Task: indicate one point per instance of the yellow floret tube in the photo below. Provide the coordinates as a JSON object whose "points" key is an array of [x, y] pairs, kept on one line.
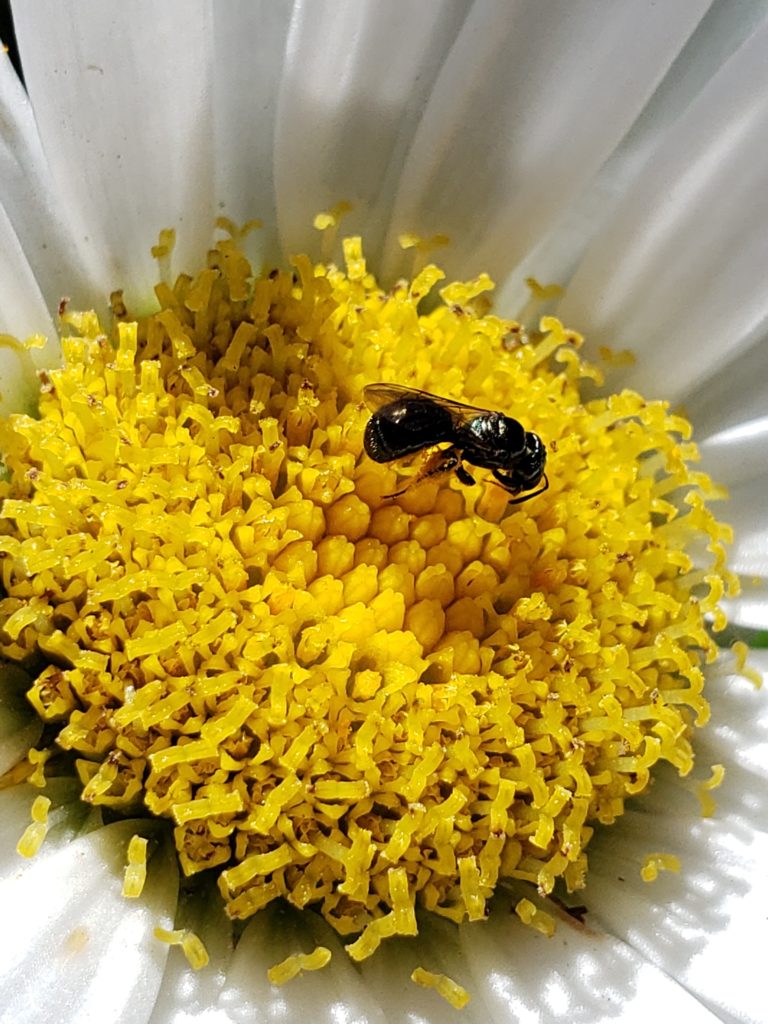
{"points": [[135, 874], [294, 965], [450, 990], [191, 945], [35, 833]]}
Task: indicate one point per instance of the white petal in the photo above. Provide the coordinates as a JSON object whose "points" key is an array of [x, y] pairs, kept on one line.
{"points": [[738, 452], [734, 393], [531, 101], [122, 98], [23, 312], [357, 78], [729, 413], [580, 974], [746, 514], [19, 388], [678, 274], [728, 972], [719, 34], [20, 728], [40, 264], [748, 614], [78, 951], [249, 43]]}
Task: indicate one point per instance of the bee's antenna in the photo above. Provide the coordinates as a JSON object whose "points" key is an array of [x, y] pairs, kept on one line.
{"points": [[526, 497]]}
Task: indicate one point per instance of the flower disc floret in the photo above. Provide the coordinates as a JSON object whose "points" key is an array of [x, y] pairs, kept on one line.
{"points": [[357, 703]]}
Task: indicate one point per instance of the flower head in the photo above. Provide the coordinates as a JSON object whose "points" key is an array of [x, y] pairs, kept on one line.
{"points": [[351, 701]]}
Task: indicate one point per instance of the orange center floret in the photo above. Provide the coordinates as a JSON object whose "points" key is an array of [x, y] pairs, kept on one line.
{"points": [[346, 700]]}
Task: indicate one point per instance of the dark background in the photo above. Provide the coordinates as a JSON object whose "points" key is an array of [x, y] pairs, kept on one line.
{"points": [[6, 33]]}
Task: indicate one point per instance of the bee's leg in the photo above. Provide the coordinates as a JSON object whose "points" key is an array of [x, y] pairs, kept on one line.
{"points": [[464, 476], [512, 486], [447, 461], [396, 494], [507, 481], [438, 464]]}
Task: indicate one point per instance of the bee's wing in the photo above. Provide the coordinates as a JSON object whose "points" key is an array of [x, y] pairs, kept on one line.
{"points": [[378, 395]]}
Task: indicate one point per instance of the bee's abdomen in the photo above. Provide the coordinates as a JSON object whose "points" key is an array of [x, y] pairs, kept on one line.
{"points": [[375, 444], [404, 427]]}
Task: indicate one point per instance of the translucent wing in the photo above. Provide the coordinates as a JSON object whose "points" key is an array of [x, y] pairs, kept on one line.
{"points": [[378, 395]]}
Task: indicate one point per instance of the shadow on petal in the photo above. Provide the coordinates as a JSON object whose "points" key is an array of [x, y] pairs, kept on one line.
{"points": [[186, 995], [20, 728]]}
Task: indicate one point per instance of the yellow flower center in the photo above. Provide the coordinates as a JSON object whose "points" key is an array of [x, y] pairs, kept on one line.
{"points": [[354, 702]]}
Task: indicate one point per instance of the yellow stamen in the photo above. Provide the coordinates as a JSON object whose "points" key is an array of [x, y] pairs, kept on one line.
{"points": [[452, 992], [34, 834], [136, 870], [530, 914], [656, 862], [294, 965], [704, 790], [191, 945]]}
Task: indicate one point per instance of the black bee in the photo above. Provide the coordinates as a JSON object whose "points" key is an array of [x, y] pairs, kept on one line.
{"points": [[406, 421]]}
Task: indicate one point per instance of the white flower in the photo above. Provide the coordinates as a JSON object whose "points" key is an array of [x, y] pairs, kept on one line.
{"points": [[617, 148]]}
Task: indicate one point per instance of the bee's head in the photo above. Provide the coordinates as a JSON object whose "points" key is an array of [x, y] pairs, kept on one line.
{"points": [[529, 466]]}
